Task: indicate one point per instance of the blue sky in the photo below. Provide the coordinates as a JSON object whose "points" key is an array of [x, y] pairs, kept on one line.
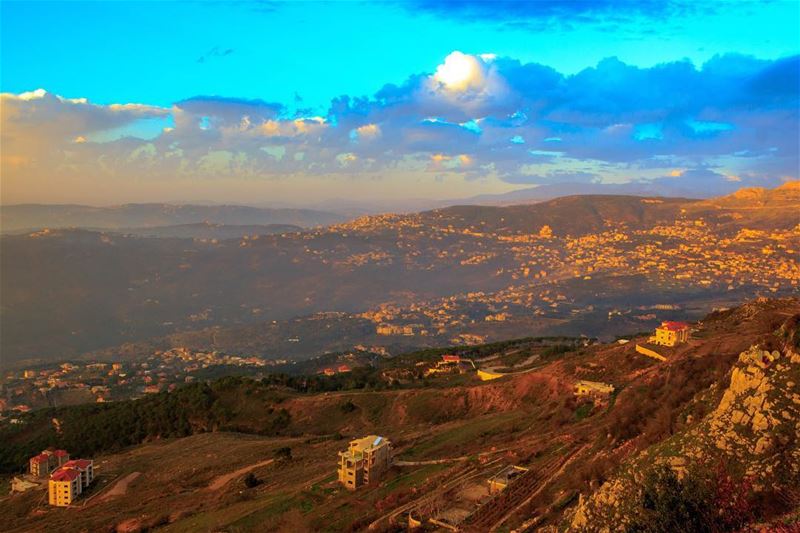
{"points": [[308, 75]]}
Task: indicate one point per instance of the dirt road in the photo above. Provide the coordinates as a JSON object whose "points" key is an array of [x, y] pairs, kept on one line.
{"points": [[222, 480], [120, 487]]}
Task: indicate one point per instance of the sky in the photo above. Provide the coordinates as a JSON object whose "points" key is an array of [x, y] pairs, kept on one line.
{"points": [[303, 103]]}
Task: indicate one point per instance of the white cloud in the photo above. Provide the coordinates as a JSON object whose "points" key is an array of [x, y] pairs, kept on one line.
{"points": [[461, 72]]}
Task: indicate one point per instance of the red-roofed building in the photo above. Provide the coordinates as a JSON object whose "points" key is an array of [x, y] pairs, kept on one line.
{"points": [[343, 368], [671, 333], [85, 467], [65, 474], [40, 465], [451, 358], [61, 457], [64, 486]]}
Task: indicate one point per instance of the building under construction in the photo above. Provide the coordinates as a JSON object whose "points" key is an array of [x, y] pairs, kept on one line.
{"points": [[366, 460]]}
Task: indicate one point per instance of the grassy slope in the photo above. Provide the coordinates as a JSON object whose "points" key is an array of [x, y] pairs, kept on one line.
{"points": [[527, 419]]}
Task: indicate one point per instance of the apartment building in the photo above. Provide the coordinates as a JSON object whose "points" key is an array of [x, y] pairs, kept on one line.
{"points": [[366, 460], [69, 481], [64, 487], [41, 465]]}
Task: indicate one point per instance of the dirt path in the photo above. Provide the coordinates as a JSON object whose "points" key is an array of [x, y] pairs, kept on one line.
{"points": [[222, 480], [430, 462], [120, 487]]}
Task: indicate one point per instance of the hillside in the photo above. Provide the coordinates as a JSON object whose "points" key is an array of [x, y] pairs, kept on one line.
{"points": [[560, 267], [208, 230], [29, 217], [452, 434], [569, 215]]}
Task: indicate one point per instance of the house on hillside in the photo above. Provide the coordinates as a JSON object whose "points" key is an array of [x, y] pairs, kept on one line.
{"points": [[366, 460], [670, 334]]}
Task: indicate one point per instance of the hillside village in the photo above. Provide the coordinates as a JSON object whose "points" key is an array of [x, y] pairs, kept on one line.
{"points": [[98, 381], [539, 444], [593, 265]]}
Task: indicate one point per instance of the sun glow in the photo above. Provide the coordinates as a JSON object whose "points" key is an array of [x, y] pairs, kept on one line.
{"points": [[457, 71]]}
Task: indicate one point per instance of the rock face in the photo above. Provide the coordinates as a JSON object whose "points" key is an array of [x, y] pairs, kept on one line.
{"points": [[755, 427], [760, 406]]}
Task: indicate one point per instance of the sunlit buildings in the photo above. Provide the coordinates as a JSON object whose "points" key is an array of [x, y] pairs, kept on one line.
{"points": [[69, 481], [671, 334], [366, 460]]}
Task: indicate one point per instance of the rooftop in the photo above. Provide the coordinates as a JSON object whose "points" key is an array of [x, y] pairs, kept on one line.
{"points": [[674, 326], [365, 443], [65, 474], [78, 463]]}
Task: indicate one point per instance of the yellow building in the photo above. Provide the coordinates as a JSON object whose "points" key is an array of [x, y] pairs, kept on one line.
{"points": [[671, 334], [69, 481], [365, 461], [592, 388], [64, 487]]}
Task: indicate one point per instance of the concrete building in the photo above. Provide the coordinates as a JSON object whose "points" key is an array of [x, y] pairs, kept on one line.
{"points": [[59, 457], [83, 466], [64, 487], [365, 461], [40, 465], [44, 463], [671, 334], [69, 481]]}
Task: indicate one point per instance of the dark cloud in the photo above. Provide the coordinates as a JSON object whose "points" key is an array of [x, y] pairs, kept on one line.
{"points": [[230, 110]]}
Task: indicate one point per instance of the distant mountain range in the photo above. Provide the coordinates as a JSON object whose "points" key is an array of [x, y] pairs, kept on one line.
{"points": [[662, 188], [24, 217]]}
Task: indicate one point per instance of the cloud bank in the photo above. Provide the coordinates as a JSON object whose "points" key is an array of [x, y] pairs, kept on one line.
{"points": [[703, 129]]}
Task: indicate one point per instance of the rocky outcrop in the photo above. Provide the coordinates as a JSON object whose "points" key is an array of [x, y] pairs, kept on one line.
{"points": [[761, 400], [756, 426]]}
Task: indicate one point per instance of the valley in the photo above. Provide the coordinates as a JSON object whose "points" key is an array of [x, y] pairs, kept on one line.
{"points": [[586, 265]]}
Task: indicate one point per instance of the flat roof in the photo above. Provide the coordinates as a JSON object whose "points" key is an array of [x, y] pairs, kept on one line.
{"points": [[365, 443]]}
